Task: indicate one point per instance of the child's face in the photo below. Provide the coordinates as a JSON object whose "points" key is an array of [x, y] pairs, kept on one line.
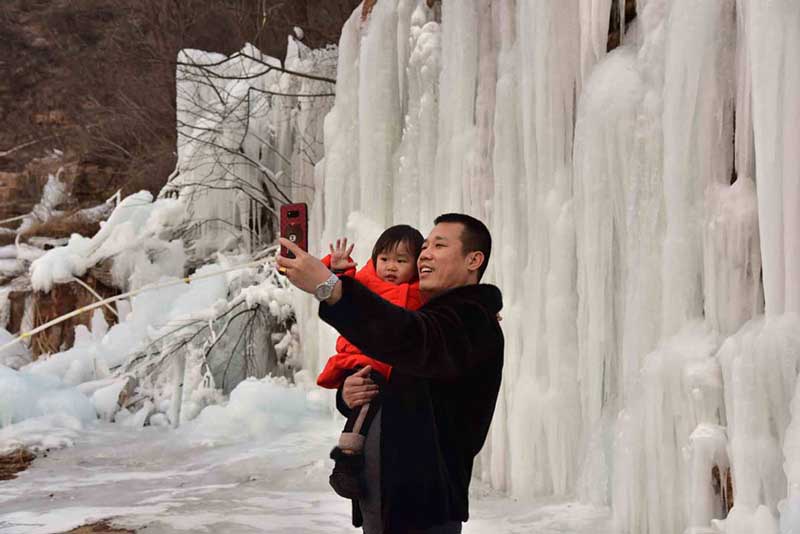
{"points": [[396, 266]]}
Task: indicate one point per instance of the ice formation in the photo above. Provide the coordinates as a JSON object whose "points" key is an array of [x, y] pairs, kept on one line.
{"points": [[637, 199], [645, 208], [24, 395], [249, 135], [250, 130]]}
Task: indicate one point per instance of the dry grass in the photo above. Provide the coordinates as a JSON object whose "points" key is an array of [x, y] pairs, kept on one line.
{"points": [[15, 462], [100, 527], [63, 226], [7, 238]]}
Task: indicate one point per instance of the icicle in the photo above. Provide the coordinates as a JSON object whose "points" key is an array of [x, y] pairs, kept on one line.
{"points": [[540, 377], [759, 365], [179, 372], [773, 32], [508, 245], [379, 125], [594, 34], [417, 151], [698, 126], [341, 170]]}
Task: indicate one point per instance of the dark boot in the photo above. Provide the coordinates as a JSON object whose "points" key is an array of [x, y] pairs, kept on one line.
{"points": [[346, 478]]}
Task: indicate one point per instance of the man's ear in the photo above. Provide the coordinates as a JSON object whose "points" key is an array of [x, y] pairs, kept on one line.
{"points": [[475, 260]]}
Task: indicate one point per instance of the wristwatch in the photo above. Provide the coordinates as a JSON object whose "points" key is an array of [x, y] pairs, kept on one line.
{"points": [[325, 289]]}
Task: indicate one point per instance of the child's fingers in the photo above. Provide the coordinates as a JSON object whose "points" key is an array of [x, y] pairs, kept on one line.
{"points": [[350, 248], [338, 244], [349, 265], [330, 245]]}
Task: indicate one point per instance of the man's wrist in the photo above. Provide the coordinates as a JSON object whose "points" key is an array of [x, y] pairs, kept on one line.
{"points": [[336, 295]]}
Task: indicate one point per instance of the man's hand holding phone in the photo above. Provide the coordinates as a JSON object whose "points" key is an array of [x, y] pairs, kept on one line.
{"points": [[294, 226], [294, 262]]}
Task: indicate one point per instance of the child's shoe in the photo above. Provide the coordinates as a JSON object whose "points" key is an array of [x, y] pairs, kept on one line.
{"points": [[346, 476]]}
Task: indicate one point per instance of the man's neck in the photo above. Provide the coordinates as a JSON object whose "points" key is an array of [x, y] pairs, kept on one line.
{"points": [[427, 295]]}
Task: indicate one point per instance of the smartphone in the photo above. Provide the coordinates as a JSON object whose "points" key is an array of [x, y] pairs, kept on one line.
{"points": [[294, 226]]}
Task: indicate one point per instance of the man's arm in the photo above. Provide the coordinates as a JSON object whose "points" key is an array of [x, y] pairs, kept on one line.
{"points": [[434, 343]]}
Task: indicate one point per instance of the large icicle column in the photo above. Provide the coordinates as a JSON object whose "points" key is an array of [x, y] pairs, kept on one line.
{"points": [[633, 198], [774, 41]]}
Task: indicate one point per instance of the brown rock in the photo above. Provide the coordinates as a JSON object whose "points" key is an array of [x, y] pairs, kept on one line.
{"points": [[15, 462], [62, 299], [18, 297], [100, 527], [367, 8], [127, 392]]}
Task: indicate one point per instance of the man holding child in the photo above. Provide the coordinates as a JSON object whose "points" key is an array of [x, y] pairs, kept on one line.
{"points": [[446, 359]]}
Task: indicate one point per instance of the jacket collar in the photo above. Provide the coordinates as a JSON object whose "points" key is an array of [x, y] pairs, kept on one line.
{"points": [[488, 295]]}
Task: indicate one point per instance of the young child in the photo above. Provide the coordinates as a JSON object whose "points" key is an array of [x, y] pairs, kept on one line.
{"points": [[392, 274]]}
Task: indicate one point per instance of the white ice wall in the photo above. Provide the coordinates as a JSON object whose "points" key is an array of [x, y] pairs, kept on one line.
{"points": [[633, 198]]}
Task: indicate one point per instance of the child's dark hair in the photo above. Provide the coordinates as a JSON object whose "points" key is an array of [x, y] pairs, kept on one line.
{"points": [[393, 236]]}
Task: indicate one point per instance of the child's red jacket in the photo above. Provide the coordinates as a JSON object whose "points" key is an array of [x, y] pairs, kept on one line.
{"points": [[348, 356]]}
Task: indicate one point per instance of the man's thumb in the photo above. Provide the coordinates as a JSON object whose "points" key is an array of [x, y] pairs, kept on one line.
{"points": [[364, 371]]}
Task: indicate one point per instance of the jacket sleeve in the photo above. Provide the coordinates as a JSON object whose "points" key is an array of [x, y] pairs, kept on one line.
{"points": [[440, 342], [343, 408]]}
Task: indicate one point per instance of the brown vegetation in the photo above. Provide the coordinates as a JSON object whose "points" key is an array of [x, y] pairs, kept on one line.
{"points": [[15, 462], [100, 527], [63, 226]]}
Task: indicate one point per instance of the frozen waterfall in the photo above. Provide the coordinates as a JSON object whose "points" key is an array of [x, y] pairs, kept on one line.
{"points": [[645, 208]]}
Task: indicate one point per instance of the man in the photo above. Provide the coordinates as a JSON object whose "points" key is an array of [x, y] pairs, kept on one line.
{"points": [[447, 359]]}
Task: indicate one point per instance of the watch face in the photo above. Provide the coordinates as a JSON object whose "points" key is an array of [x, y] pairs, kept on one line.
{"points": [[323, 292], [325, 289]]}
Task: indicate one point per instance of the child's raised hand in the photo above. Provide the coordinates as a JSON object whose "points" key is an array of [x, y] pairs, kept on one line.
{"points": [[340, 255]]}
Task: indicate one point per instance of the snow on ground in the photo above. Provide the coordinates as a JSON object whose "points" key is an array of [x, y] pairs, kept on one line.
{"points": [[257, 464], [23, 395]]}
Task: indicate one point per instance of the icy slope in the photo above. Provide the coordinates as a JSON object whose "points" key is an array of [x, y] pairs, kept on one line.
{"points": [[257, 464]]}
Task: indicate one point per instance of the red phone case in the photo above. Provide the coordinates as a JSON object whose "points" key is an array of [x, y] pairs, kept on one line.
{"points": [[294, 226]]}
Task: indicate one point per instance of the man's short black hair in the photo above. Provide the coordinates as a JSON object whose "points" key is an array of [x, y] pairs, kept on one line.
{"points": [[393, 236], [474, 236]]}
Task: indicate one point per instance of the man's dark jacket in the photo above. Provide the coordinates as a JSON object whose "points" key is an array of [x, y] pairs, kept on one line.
{"points": [[447, 360]]}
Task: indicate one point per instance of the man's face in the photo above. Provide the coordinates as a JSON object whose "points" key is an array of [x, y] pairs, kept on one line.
{"points": [[442, 263]]}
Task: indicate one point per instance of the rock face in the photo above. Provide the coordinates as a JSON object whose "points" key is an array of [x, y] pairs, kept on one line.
{"points": [[62, 299]]}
